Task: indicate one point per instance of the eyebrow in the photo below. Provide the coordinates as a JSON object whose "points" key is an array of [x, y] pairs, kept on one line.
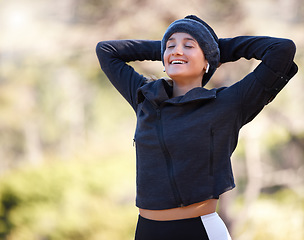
{"points": [[187, 38]]}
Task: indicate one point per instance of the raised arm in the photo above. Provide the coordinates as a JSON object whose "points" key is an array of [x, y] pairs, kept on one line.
{"points": [[277, 54], [113, 56], [262, 85]]}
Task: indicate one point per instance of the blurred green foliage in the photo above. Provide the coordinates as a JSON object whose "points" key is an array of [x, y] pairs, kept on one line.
{"points": [[69, 200], [273, 216]]}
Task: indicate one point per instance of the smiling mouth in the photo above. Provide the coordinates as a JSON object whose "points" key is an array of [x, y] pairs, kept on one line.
{"points": [[178, 62]]}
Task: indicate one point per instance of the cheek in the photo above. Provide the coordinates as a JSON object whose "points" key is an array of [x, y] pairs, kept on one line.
{"points": [[200, 61], [165, 57]]}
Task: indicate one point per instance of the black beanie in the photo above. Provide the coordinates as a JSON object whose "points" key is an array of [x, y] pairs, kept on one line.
{"points": [[203, 34]]}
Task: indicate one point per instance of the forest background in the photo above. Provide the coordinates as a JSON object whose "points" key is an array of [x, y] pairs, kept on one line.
{"points": [[67, 164]]}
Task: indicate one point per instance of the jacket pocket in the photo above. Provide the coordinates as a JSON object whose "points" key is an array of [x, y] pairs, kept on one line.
{"points": [[211, 157]]}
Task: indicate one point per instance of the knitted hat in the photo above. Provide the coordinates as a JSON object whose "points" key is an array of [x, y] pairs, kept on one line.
{"points": [[203, 34]]}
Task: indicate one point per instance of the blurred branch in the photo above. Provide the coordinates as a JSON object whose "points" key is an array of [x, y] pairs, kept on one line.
{"points": [[254, 176], [290, 178]]}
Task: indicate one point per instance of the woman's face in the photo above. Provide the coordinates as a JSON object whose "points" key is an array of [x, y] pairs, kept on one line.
{"points": [[184, 59]]}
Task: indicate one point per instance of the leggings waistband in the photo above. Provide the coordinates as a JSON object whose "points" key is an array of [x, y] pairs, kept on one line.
{"points": [[207, 227]]}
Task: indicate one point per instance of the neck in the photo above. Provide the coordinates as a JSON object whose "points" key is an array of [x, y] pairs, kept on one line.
{"points": [[181, 89]]}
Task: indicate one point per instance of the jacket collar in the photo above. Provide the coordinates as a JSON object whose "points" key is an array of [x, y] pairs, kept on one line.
{"points": [[158, 92]]}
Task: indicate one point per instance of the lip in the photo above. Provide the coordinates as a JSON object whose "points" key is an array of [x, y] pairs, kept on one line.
{"points": [[178, 60]]}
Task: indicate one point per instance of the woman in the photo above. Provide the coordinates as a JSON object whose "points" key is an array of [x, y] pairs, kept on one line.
{"points": [[185, 134]]}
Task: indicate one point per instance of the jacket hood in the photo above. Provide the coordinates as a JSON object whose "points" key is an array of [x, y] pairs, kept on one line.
{"points": [[160, 91]]}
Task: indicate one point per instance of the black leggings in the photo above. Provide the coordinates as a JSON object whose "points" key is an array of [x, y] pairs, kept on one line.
{"points": [[209, 227]]}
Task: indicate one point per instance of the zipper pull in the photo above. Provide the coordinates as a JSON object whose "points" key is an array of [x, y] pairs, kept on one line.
{"points": [[134, 142]]}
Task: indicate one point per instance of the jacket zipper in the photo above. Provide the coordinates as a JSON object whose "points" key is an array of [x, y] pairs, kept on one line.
{"points": [[211, 152], [169, 162]]}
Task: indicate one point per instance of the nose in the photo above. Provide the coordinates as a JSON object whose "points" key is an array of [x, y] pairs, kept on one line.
{"points": [[178, 50]]}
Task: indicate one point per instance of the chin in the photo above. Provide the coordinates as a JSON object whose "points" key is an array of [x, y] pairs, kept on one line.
{"points": [[176, 74]]}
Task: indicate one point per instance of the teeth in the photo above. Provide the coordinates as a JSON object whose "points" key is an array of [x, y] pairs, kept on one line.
{"points": [[178, 62]]}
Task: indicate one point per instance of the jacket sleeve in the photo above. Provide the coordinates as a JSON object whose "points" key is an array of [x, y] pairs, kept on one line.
{"points": [[275, 70], [113, 57], [277, 54]]}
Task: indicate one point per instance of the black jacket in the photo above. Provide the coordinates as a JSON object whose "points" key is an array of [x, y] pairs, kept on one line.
{"points": [[184, 144]]}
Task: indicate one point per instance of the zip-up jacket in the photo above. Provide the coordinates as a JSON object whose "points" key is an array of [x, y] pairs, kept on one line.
{"points": [[184, 144]]}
